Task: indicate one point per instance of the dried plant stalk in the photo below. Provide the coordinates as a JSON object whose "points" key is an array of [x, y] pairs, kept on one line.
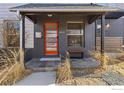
{"points": [[102, 58], [64, 72], [11, 69]]}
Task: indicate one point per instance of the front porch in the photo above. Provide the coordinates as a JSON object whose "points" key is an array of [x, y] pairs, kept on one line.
{"points": [[37, 65]]}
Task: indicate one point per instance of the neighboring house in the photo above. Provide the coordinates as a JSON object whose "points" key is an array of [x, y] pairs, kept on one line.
{"points": [[9, 17], [53, 29]]}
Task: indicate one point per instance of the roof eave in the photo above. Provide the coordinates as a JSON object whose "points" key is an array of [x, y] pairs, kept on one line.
{"points": [[64, 10]]}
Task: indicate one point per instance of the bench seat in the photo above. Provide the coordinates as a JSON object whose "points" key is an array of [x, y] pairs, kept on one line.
{"points": [[76, 52]]}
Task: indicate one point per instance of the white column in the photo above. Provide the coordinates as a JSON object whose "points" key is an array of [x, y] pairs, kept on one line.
{"points": [[22, 39]]}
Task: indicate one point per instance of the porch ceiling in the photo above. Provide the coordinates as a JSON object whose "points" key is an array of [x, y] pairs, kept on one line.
{"points": [[114, 15], [91, 17]]}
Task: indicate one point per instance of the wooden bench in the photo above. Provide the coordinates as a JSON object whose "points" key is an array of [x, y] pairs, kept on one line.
{"points": [[76, 52]]}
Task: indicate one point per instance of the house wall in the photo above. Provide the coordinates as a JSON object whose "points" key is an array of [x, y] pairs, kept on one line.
{"points": [[90, 36], [38, 50], [116, 30]]}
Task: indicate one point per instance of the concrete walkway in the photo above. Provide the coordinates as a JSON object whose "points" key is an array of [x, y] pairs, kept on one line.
{"points": [[113, 78], [39, 78]]}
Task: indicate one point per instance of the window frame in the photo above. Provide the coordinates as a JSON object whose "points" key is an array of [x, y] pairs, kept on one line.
{"points": [[82, 35]]}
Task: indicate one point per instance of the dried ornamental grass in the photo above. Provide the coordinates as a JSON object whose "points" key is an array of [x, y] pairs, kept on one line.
{"points": [[105, 59], [121, 55], [118, 63], [64, 72], [11, 69], [8, 57], [12, 75], [102, 58], [119, 68]]}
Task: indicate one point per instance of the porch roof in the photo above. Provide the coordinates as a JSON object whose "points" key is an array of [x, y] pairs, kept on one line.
{"points": [[54, 7], [114, 15]]}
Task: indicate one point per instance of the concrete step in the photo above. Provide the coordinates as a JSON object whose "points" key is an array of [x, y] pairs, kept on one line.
{"points": [[42, 69], [50, 59]]}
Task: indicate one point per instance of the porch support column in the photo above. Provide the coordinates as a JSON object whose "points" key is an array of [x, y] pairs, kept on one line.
{"points": [[22, 39], [95, 33], [102, 33]]}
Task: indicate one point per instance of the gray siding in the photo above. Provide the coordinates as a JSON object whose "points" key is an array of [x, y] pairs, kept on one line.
{"points": [[38, 42], [38, 50], [90, 36]]}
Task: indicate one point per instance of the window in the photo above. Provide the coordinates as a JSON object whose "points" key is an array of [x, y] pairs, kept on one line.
{"points": [[75, 34], [11, 33]]}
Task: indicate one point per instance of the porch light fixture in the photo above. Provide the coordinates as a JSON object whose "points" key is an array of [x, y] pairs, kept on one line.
{"points": [[49, 15], [108, 25]]}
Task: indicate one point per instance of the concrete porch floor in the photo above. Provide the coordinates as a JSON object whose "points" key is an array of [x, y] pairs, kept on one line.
{"points": [[75, 63], [37, 65], [84, 63]]}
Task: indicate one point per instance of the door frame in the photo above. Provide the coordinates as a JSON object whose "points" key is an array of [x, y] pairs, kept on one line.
{"points": [[44, 29]]}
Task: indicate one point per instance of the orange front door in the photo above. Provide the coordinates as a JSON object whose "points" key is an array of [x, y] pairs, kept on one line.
{"points": [[51, 38]]}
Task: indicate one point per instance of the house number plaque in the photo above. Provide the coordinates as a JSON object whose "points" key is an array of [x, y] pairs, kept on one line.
{"points": [[38, 35]]}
